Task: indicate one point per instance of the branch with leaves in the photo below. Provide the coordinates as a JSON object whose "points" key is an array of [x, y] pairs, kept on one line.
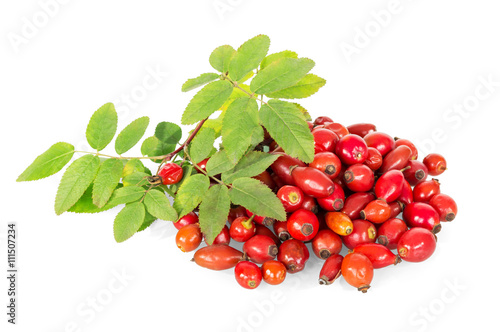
{"points": [[225, 107]]}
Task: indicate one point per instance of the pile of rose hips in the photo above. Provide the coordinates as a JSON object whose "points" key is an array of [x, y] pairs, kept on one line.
{"points": [[351, 194]]}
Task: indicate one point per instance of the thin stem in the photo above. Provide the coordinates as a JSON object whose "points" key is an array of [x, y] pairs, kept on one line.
{"points": [[236, 85]]}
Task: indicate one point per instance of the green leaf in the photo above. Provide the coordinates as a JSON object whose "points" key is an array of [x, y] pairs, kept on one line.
{"points": [[202, 144], [125, 195], [132, 166], [219, 163], [257, 197], [203, 79], [277, 56], [237, 93], [86, 205], [48, 163], [238, 124], [148, 220], [215, 124], [128, 221], [187, 171], [102, 127], [159, 206], [304, 88], [280, 74], [153, 147], [213, 212], [168, 132], [131, 134], [77, 178], [252, 164], [286, 125], [135, 179], [105, 182], [304, 112], [220, 58], [208, 100], [190, 194], [248, 56]]}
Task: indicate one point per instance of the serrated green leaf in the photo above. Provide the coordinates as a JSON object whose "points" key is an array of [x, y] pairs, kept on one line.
{"points": [[257, 197], [220, 58], [48, 163], [86, 205], [125, 195], [214, 210], [248, 56], [257, 136], [148, 221], [277, 56], [215, 124], [280, 74], [105, 182], [304, 112], [159, 206], [238, 125], [187, 171], [252, 164], [237, 93], [287, 126], [153, 147], [77, 178], [208, 100], [168, 132], [102, 126], [190, 194], [201, 80], [304, 88], [131, 134], [202, 145], [132, 166], [219, 163], [135, 179], [128, 221]]}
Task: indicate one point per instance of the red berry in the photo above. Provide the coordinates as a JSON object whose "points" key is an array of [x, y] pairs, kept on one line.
{"points": [[242, 229], [445, 206], [263, 230], [359, 178], [374, 160], [266, 179], [417, 172], [379, 255], [324, 140], [273, 272], [303, 225], [413, 148], [334, 202], [376, 211], [260, 248], [202, 166], [281, 230], [406, 196], [355, 203], [170, 173], [188, 219], [357, 271], [424, 191], [380, 141], [396, 208], [291, 197], [361, 129], [266, 221], [328, 163], [390, 185], [312, 181], [236, 212], [294, 255], [363, 232], [337, 128], [351, 149], [390, 232], [223, 237], [281, 167], [248, 274], [339, 222], [419, 214], [436, 164], [396, 159], [326, 243], [189, 237], [330, 270], [416, 245], [218, 257], [321, 120], [309, 203]]}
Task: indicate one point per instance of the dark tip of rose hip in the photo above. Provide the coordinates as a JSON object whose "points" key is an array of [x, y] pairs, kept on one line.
{"points": [[330, 169], [324, 253], [323, 280], [436, 229], [338, 204], [397, 260], [348, 176], [283, 236], [420, 174], [292, 267], [364, 288], [383, 240], [307, 229], [268, 221], [273, 250], [450, 216], [362, 214]]}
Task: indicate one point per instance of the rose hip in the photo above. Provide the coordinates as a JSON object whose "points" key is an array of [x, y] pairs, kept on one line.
{"points": [[359, 178], [417, 172], [396, 208], [339, 222], [330, 270], [242, 229], [294, 255], [303, 225], [390, 185], [236, 212], [390, 232], [416, 245], [321, 120], [445, 206], [188, 219], [273, 272], [170, 173], [189, 237], [380, 141], [281, 167], [218, 257], [334, 202], [379, 255], [223, 237], [291, 197], [248, 274], [309, 203], [281, 230], [326, 243], [266, 221], [355, 203], [266, 179], [374, 160], [406, 196], [357, 271], [414, 151], [376, 211], [436, 164], [419, 214], [337, 128], [361, 129], [351, 149], [424, 191], [396, 159], [324, 140], [260, 248], [263, 230], [363, 232], [328, 163], [312, 181]]}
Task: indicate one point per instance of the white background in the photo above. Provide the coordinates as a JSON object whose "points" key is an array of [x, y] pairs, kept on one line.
{"points": [[428, 57]]}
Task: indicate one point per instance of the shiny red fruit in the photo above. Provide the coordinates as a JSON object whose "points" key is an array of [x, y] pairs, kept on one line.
{"points": [[266, 221], [273, 272], [266, 179], [376, 211], [330, 270], [390, 185], [188, 219], [281, 230], [417, 172], [260, 248], [361, 129], [355, 203], [374, 160], [263, 230], [380, 141], [419, 214], [390, 232], [202, 166], [357, 271], [281, 167], [291, 197], [218, 257], [248, 274], [242, 229], [406, 196], [324, 140], [312, 181], [413, 148], [379, 255], [416, 245], [223, 237], [310, 204], [189, 237], [396, 159], [326, 243], [445, 206], [294, 255], [352, 149], [334, 202], [424, 191], [170, 173], [303, 225], [396, 208], [328, 163], [363, 232], [359, 178], [337, 128], [321, 120], [436, 164]]}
